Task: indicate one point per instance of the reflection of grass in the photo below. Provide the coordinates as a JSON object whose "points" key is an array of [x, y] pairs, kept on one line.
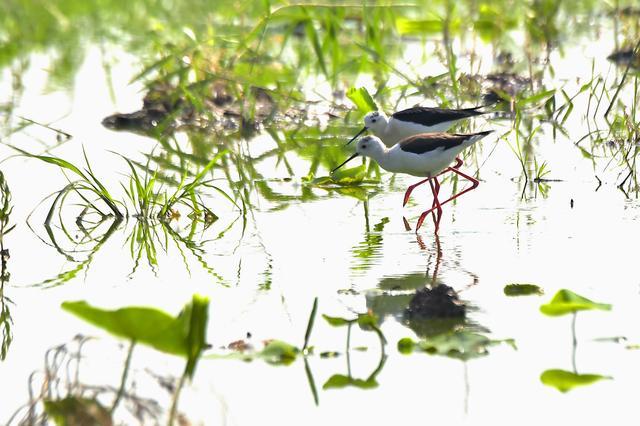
{"points": [[145, 239], [61, 393], [154, 207], [91, 242], [366, 252], [6, 322]]}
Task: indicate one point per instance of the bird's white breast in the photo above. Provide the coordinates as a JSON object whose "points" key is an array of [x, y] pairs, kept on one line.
{"points": [[424, 165]]}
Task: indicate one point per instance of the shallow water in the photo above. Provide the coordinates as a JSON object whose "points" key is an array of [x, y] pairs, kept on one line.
{"points": [[354, 256]]}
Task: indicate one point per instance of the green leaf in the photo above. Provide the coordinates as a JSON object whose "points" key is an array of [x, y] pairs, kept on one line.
{"points": [[336, 321], [362, 99], [533, 99], [278, 352], [196, 314], [55, 161], [349, 176], [368, 321], [585, 153], [312, 34], [463, 345], [73, 411], [426, 26], [406, 345], [338, 381], [312, 318], [564, 381], [522, 290], [183, 335], [567, 302]]}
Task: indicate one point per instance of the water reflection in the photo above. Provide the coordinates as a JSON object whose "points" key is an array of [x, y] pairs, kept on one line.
{"points": [[422, 301], [80, 244], [564, 380], [6, 226], [6, 321], [67, 389]]}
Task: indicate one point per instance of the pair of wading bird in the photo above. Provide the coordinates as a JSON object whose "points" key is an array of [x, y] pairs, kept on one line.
{"points": [[412, 141]]}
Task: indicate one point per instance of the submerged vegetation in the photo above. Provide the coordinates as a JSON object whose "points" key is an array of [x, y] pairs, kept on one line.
{"points": [[248, 106], [6, 226]]}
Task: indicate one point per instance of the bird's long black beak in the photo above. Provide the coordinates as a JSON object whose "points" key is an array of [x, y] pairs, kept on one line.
{"points": [[345, 162], [364, 129]]}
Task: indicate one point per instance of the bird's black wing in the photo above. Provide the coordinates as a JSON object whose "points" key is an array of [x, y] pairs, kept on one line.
{"points": [[431, 116], [420, 144]]}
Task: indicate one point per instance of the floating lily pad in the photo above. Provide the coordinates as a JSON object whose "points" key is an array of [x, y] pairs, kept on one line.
{"points": [[522, 290], [462, 345], [278, 352], [338, 381], [406, 345], [567, 302], [336, 321], [564, 381], [275, 352], [362, 99], [368, 321]]}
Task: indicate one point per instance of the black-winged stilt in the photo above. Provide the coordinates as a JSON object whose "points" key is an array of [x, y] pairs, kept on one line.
{"points": [[413, 121], [425, 155]]}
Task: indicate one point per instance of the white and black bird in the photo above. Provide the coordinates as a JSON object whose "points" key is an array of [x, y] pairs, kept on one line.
{"points": [[413, 121], [424, 155]]}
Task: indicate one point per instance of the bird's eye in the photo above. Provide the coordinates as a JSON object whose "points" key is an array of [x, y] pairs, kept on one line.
{"points": [[374, 120], [364, 147]]}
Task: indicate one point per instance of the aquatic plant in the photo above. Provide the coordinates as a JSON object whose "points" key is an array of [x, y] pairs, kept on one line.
{"points": [[183, 335], [88, 187], [567, 302], [6, 322]]}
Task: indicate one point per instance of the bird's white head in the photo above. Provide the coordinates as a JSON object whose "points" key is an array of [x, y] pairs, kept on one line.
{"points": [[370, 146], [376, 121]]}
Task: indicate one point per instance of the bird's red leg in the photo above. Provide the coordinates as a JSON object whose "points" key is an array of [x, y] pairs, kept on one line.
{"points": [[410, 189], [458, 163], [437, 207], [435, 190], [474, 184]]}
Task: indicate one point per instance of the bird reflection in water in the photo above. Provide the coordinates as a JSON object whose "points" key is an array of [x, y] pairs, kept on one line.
{"points": [[421, 301]]}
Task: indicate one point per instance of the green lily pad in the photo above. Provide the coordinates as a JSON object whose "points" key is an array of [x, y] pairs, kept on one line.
{"points": [[567, 302], [368, 321], [338, 381], [362, 99], [522, 290], [183, 335], [275, 352], [336, 321], [77, 411], [463, 345], [406, 345], [564, 381], [278, 352]]}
